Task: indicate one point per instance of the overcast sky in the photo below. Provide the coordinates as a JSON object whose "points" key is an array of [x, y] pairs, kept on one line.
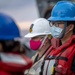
{"points": [[20, 10]]}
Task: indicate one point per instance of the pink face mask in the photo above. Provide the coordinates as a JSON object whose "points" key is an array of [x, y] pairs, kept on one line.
{"points": [[34, 45]]}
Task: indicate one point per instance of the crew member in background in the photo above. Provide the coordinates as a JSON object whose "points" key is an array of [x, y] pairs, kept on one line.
{"points": [[12, 60]]}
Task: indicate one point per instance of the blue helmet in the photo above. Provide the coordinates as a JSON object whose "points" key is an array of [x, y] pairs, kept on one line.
{"points": [[8, 28], [63, 11]]}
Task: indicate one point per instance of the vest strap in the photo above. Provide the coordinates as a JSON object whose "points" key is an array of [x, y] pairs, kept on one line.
{"points": [[62, 58], [57, 58]]}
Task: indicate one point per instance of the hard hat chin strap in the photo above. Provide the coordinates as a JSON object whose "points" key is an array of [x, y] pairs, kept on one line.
{"points": [[43, 41], [64, 30]]}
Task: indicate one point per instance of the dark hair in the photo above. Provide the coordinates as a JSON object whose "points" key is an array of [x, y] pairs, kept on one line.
{"points": [[71, 22], [9, 45], [13, 46]]}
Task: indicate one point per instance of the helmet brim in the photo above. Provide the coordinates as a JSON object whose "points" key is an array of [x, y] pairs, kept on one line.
{"points": [[61, 19], [30, 35]]}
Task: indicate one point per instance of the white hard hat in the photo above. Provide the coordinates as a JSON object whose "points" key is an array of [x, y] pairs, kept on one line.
{"points": [[39, 27]]}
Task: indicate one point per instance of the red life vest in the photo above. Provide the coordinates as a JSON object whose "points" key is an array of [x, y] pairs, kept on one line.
{"points": [[14, 64], [63, 56]]}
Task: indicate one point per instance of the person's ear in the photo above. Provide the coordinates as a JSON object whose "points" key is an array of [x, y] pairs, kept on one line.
{"points": [[71, 27]]}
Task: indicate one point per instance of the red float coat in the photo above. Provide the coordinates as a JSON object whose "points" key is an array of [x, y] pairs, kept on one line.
{"points": [[14, 64]]}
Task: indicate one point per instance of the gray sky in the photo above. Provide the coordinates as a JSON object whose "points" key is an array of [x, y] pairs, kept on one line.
{"points": [[20, 10]]}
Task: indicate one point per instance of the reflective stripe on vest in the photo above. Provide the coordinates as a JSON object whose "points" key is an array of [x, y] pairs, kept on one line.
{"points": [[48, 67]]}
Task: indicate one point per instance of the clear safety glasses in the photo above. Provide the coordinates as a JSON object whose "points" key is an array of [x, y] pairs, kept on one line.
{"points": [[56, 24]]}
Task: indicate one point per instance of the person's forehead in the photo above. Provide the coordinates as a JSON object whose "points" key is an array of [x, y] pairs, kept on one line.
{"points": [[40, 36]]}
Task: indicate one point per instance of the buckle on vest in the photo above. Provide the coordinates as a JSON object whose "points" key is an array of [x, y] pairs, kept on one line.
{"points": [[50, 57]]}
